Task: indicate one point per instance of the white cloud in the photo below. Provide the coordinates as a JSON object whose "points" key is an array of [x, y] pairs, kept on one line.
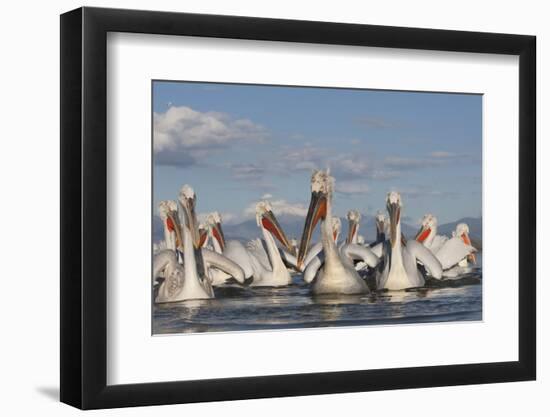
{"points": [[347, 165], [305, 158], [247, 171], [280, 208], [227, 217], [187, 133], [297, 136], [420, 192], [442, 154], [351, 187], [267, 196], [230, 218], [308, 158], [404, 163]]}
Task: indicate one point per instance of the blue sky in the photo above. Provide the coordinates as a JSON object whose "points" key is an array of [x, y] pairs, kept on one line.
{"points": [[235, 144]]}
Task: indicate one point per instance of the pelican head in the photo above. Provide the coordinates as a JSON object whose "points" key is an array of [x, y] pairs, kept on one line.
{"points": [[462, 229], [165, 207], [188, 200], [463, 232], [428, 225], [380, 220], [168, 213], [394, 204], [214, 221], [322, 186], [266, 219], [354, 217]]}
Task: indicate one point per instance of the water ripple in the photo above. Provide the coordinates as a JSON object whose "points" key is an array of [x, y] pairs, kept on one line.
{"points": [[249, 308]]}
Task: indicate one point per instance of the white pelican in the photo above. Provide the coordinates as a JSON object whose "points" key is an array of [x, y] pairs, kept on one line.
{"points": [[269, 268], [466, 264], [462, 231], [427, 235], [165, 262], [338, 275], [169, 230], [451, 251], [315, 258], [400, 270], [315, 251], [232, 249], [188, 282], [381, 227], [354, 217], [351, 251]]}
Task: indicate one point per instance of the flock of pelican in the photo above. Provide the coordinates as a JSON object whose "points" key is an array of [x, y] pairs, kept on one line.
{"points": [[194, 258]]}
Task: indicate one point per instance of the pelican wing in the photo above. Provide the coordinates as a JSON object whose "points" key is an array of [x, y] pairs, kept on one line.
{"points": [[360, 253], [378, 249], [312, 268], [438, 243], [235, 251], [313, 251], [257, 249], [161, 260], [159, 247], [453, 251], [218, 261], [424, 255]]}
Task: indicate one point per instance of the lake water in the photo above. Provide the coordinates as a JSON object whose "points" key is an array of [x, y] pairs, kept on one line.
{"points": [[238, 308]]}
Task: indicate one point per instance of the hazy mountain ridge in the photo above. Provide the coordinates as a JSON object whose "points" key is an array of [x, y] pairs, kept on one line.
{"points": [[293, 227]]}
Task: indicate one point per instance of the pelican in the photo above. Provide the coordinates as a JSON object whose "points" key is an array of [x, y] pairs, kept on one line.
{"points": [[427, 234], [466, 264], [267, 263], [169, 242], [351, 251], [462, 231], [381, 227], [314, 258], [449, 252], [188, 281], [214, 234], [338, 275], [400, 270], [315, 251], [165, 262], [354, 217], [232, 249]]}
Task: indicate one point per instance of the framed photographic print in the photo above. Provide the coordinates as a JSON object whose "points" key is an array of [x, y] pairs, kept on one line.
{"points": [[257, 207]]}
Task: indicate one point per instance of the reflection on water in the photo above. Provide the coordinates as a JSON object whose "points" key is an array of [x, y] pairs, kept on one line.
{"points": [[248, 308]]}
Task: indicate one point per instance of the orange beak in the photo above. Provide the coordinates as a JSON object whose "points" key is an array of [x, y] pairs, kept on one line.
{"points": [[270, 223], [218, 235], [423, 234], [471, 257], [317, 211]]}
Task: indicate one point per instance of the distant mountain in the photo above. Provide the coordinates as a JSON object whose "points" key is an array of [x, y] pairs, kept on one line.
{"points": [[293, 227]]}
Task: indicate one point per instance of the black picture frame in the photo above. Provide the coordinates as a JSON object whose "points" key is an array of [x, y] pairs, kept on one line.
{"points": [[84, 207]]}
